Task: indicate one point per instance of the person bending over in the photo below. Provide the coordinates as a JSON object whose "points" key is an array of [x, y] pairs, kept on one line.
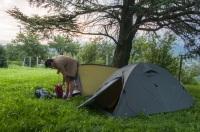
{"points": [[69, 69]]}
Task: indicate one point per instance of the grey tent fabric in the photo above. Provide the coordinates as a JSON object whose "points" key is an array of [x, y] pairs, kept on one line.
{"points": [[141, 87]]}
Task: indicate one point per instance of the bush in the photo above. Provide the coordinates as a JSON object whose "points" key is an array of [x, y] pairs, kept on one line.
{"points": [[3, 60], [15, 63], [193, 82], [189, 74]]}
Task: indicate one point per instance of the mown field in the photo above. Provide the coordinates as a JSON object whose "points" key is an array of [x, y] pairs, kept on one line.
{"points": [[21, 111]]}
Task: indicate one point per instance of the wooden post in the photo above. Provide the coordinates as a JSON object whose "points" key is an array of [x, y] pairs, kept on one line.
{"points": [[179, 77], [106, 59], [37, 62], [29, 61], [24, 61]]}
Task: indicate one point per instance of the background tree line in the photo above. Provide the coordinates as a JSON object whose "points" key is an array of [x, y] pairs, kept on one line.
{"points": [[27, 44], [150, 48]]}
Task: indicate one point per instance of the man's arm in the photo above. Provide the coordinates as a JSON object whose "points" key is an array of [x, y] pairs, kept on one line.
{"points": [[61, 69]]}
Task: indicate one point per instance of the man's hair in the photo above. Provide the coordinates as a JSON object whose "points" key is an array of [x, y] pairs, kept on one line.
{"points": [[48, 62]]}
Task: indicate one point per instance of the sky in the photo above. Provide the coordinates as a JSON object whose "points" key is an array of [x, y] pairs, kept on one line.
{"points": [[8, 25]]}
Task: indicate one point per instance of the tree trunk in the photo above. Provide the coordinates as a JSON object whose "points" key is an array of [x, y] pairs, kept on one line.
{"points": [[124, 45], [122, 54]]}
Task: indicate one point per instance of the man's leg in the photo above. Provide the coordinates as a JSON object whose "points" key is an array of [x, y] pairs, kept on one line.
{"points": [[72, 85], [67, 89], [71, 88]]}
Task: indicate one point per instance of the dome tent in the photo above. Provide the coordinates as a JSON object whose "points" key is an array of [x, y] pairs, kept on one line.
{"points": [[141, 87]]}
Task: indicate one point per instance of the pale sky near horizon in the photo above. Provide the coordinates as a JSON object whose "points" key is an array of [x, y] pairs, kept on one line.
{"points": [[8, 25]]}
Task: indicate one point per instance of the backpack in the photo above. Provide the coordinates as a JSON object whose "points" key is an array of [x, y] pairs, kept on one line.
{"points": [[59, 91], [40, 93]]}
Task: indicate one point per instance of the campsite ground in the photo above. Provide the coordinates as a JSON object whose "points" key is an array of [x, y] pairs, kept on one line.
{"points": [[20, 110]]}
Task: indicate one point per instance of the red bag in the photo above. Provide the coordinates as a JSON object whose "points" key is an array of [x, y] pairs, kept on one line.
{"points": [[59, 91]]}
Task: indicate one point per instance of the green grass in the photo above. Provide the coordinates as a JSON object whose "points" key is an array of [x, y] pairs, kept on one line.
{"points": [[21, 111]]}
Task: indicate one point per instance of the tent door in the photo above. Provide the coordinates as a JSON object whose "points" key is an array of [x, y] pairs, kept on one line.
{"points": [[108, 99]]}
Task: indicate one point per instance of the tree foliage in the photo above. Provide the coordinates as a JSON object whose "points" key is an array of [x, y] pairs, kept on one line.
{"points": [[118, 20], [157, 50], [26, 45], [96, 52], [14, 52], [3, 59], [188, 74], [106, 51], [64, 45], [89, 53]]}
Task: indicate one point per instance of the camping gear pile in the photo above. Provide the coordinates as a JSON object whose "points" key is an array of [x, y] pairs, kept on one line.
{"points": [[58, 91], [40, 93]]}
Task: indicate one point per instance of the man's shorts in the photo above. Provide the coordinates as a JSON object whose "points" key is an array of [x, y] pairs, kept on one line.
{"points": [[73, 78]]}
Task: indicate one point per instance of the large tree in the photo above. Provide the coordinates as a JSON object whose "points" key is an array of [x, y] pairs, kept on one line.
{"points": [[118, 20]]}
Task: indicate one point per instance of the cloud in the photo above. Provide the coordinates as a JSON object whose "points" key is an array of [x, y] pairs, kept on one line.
{"points": [[7, 2], [8, 25]]}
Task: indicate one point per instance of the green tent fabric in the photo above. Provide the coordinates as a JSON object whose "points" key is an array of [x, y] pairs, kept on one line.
{"points": [[141, 87], [91, 76]]}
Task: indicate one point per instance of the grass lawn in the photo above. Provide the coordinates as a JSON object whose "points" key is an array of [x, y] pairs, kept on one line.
{"points": [[21, 111]]}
